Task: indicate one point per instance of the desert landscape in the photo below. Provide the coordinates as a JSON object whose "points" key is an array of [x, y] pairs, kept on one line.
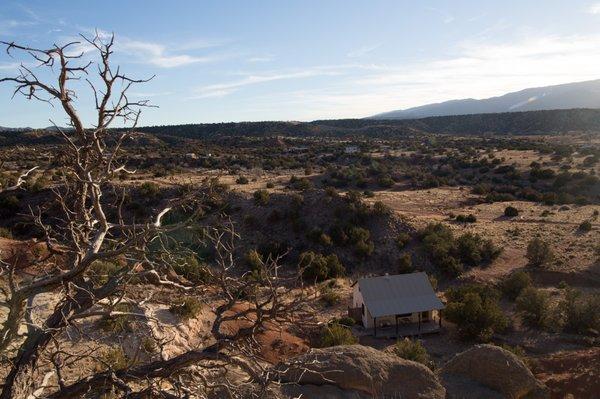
{"points": [[449, 250]]}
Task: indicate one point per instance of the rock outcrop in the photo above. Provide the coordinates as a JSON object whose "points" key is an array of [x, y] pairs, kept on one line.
{"points": [[492, 372], [357, 372]]}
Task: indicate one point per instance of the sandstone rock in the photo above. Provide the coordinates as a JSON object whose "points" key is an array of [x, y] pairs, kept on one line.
{"points": [[491, 367], [358, 371]]}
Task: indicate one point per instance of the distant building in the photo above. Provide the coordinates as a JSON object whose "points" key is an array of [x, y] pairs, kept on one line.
{"points": [[351, 149], [403, 304]]}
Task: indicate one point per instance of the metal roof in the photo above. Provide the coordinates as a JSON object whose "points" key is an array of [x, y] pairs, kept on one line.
{"points": [[398, 294]]}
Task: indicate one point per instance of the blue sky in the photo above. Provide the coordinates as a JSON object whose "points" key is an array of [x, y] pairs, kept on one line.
{"points": [[303, 60]]}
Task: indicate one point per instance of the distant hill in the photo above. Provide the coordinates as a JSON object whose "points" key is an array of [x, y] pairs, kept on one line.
{"points": [[508, 123], [564, 96]]}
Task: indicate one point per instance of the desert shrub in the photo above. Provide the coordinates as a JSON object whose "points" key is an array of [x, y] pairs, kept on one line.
{"points": [[317, 267], [148, 345], [379, 208], [253, 260], [412, 350], [532, 303], [402, 239], [452, 254], [242, 180], [433, 281], [117, 323], [270, 184], [345, 321], [300, 183], [385, 182], [190, 268], [115, 359], [336, 334], [9, 204], [511, 211], [516, 282], [317, 235], [539, 253], [100, 272], [475, 310], [331, 297], [5, 233], [405, 264], [585, 226], [360, 237], [188, 309], [149, 190], [261, 197], [470, 218], [580, 313]]}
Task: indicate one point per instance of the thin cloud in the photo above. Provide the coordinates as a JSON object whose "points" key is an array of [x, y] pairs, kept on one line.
{"points": [[148, 52], [594, 9], [446, 17], [223, 89], [362, 51], [477, 70]]}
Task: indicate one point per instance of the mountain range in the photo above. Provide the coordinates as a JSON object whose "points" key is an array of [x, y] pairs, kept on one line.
{"points": [[564, 96]]}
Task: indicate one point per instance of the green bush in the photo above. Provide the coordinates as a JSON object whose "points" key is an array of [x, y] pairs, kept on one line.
{"points": [[580, 313], [100, 272], [360, 237], [115, 359], [511, 211], [452, 254], [261, 197], [402, 239], [533, 303], [412, 350], [470, 218], [405, 264], [379, 208], [317, 267], [336, 334], [5, 233], [475, 310], [516, 282], [345, 321], [188, 309], [301, 183], [242, 180], [190, 268], [331, 297], [118, 323], [539, 253], [149, 190], [254, 260], [585, 226]]}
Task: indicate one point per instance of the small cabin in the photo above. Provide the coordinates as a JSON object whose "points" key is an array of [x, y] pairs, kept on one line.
{"points": [[397, 305]]}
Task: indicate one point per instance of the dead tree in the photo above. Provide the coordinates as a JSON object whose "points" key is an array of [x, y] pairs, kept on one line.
{"points": [[83, 234]]}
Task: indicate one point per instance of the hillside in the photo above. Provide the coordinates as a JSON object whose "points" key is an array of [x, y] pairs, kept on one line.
{"points": [[508, 123], [565, 96]]}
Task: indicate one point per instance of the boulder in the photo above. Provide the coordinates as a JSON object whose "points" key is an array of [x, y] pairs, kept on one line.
{"points": [[488, 367], [358, 371]]}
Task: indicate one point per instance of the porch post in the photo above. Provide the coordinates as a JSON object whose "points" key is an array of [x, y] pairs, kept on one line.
{"points": [[374, 326], [396, 326], [419, 323]]}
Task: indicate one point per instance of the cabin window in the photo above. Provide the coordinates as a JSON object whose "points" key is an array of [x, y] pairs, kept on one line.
{"points": [[425, 315]]}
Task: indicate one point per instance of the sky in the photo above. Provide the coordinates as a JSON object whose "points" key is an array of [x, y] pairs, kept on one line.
{"points": [[220, 61]]}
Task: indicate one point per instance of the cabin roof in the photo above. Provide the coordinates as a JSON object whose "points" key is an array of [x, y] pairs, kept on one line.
{"points": [[398, 294]]}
